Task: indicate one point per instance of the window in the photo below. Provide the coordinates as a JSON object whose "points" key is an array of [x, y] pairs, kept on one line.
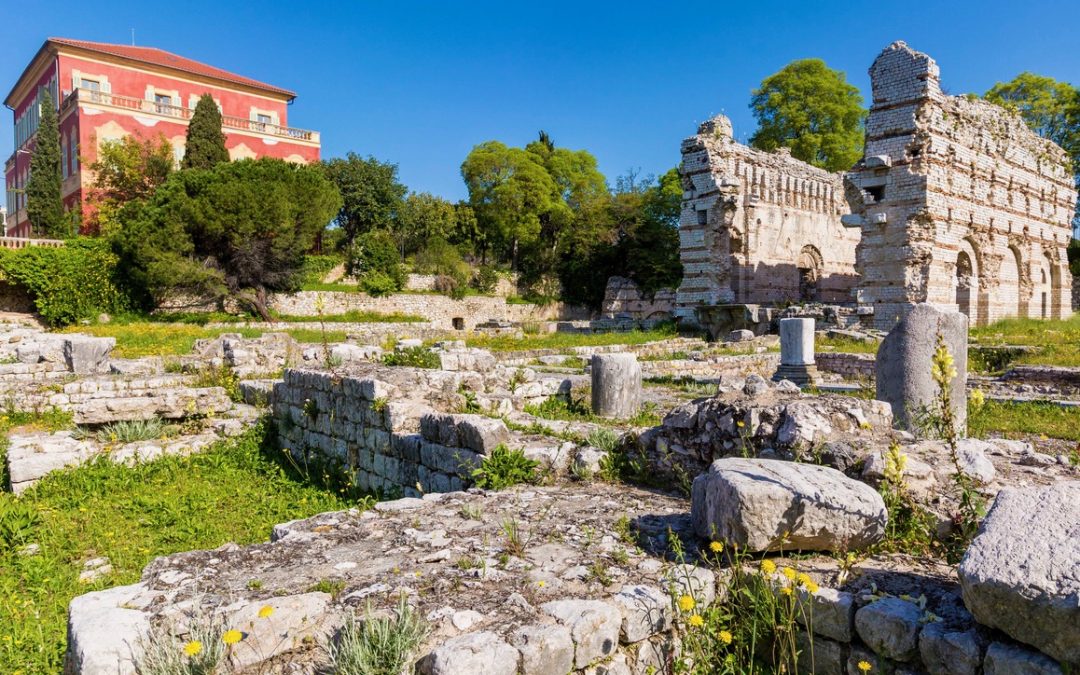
{"points": [[877, 192], [703, 217], [93, 86], [163, 104], [262, 120]]}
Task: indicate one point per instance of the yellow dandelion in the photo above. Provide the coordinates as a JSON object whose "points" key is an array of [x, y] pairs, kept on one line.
{"points": [[231, 637], [740, 424], [789, 573], [716, 547], [786, 590], [696, 621], [865, 666], [811, 587], [803, 578], [540, 583], [726, 637], [686, 603], [768, 567], [266, 611], [193, 648]]}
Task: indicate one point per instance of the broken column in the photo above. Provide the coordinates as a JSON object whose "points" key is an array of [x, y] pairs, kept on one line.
{"points": [[904, 367], [616, 385], [797, 352]]}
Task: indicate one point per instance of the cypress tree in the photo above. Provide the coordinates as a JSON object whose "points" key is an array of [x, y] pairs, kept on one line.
{"points": [[205, 146], [44, 207]]}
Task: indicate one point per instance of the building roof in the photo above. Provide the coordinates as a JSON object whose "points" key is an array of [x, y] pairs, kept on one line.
{"points": [[162, 58]]}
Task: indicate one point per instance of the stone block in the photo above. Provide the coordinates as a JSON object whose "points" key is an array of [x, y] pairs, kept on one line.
{"points": [[594, 627], [764, 505], [1007, 659], [482, 652], [950, 652], [546, 649], [480, 434], [890, 627], [646, 611], [616, 385], [85, 355]]}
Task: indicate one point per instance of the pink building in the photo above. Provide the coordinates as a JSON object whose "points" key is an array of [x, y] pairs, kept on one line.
{"points": [[105, 92]]}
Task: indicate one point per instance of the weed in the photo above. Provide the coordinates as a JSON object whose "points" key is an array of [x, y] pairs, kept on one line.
{"points": [[414, 357], [377, 645], [909, 527], [598, 571], [219, 376], [504, 468], [333, 587], [603, 439], [472, 511], [516, 540], [201, 653], [131, 431]]}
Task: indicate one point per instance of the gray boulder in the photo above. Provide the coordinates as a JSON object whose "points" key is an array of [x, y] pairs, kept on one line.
{"points": [[1021, 575], [86, 355], [903, 365], [756, 502], [545, 649], [741, 335], [594, 627], [950, 652], [890, 627], [482, 652], [1005, 659]]}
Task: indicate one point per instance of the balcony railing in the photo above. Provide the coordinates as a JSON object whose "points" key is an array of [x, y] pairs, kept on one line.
{"points": [[180, 112]]}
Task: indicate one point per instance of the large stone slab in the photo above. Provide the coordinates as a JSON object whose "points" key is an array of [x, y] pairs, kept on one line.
{"points": [[105, 630], [1021, 575], [766, 505], [904, 364], [87, 355]]}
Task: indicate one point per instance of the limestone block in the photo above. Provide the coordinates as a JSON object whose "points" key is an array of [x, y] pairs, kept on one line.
{"points": [[296, 619], [594, 626], [616, 385], [950, 652], [646, 610], [482, 652], [1020, 573], [832, 612], [796, 342], [481, 434], [756, 502], [697, 582], [820, 656], [1007, 659], [105, 629], [741, 335], [904, 363], [546, 649], [890, 627], [86, 355], [31, 456]]}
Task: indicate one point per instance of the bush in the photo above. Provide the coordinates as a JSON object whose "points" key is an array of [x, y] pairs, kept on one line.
{"points": [[442, 259], [377, 645], [486, 279], [373, 259], [316, 267], [66, 284], [504, 468], [415, 357]]}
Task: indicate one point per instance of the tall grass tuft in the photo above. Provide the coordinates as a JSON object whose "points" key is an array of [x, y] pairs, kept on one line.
{"points": [[377, 645]]}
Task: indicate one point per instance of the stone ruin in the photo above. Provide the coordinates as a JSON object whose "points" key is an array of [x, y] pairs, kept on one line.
{"points": [[955, 203]]}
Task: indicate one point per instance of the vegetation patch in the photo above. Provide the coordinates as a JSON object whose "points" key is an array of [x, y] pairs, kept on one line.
{"points": [[504, 468], [232, 492], [1057, 341], [1017, 419], [416, 357], [504, 343]]}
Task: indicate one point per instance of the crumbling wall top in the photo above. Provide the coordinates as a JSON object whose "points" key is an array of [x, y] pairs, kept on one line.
{"points": [[900, 74]]}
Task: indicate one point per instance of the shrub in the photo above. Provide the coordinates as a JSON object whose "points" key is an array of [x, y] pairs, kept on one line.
{"points": [[373, 259], [316, 267], [130, 431], [377, 645], [66, 284], [442, 259], [415, 357], [504, 468], [202, 652], [486, 279]]}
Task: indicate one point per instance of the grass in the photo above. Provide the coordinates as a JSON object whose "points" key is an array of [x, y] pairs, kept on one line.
{"points": [[353, 316], [506, 343], [1058, 341], [846, 345], [138, 338], [577, 410], [232, 492], [1014, 419], [378, 645]]}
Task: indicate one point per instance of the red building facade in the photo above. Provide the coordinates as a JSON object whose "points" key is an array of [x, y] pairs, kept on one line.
{"points": [[105, 92]]}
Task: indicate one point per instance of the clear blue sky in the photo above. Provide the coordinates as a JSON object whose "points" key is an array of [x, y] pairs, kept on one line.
{"points": [[420, 83]]}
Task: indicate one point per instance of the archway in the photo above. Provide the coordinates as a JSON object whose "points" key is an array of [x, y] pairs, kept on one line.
{"points": [[966, 286], [809, 267]]}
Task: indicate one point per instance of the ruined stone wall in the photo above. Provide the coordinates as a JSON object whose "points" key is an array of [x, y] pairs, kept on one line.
{"points": [[759, 227], [623, 297], [959, 203]]}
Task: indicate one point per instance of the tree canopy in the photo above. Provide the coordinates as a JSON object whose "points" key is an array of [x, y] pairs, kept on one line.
{"points": [[126, 170], [44, 206], [371, 194], [205, 144], [240, 230], [813, 110]]}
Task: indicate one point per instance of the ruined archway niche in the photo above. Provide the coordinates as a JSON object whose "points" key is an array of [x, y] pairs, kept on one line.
{"points": [[980, 175], [809, 267]]}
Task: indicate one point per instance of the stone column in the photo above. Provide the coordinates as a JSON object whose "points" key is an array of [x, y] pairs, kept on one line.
{"points": [[616, 385], [904, 364], [797, 352]]}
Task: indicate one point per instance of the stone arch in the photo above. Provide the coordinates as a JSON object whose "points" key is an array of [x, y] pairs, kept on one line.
{"points": [[967, 286], [1008, 299], [1055, 290], [810, 266]]}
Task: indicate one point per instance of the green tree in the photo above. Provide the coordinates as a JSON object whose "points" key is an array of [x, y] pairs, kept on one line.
{"points": [[422, 217], [373, 259], [371, 194], [510, 191], [813, 110], [126, 170], [238, 230], [205, 144], [44, 207]]}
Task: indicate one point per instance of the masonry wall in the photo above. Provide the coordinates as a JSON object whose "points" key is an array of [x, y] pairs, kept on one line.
{"points": [[759, 227], [959, 203]]}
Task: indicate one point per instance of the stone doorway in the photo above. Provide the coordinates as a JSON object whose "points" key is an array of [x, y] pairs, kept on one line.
{"points": [[966, 286], [809, 269]]}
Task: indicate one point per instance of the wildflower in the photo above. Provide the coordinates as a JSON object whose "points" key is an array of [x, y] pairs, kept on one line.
{"points": [[865, 666], [768, 567], [789, 573], [716, 547], [231, 637], [977, 399], [540, 584], [740, 424], [786, 590], [696, 621], [811, 587], [193, 648], [803, 578], [726, 637], [266, 611], [686, 603]]}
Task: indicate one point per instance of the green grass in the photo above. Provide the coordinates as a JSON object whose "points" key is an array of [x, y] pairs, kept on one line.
{"points": [[135, 339], [354, 316], [846, 345], [233, 492], [1058, 341], [1015, 419], [506, 343], [578, 410], [320, 286]]}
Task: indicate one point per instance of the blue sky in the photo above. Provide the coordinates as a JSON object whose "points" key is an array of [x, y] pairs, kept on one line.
{"points": [[420, 83]]}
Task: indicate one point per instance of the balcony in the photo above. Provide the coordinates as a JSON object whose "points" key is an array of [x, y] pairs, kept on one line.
{"points": [[101, 98]]}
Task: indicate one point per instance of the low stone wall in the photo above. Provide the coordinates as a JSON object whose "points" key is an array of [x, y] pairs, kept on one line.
{"points": [[441, 311], [622, 297], [850, 366]]}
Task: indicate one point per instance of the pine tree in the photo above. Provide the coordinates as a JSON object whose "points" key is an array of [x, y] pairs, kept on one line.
{"points": [[44, 207], [205, 146]]}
